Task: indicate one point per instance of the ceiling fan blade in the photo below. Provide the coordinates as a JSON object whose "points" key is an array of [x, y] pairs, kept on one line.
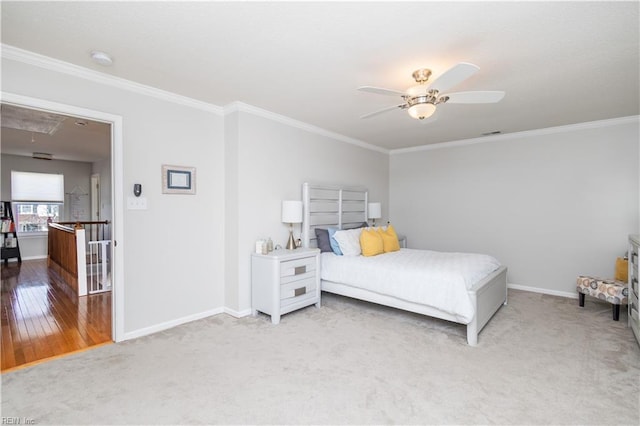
{"points": [[477, 97], [454, 76], [380, 91], [380, 111]]}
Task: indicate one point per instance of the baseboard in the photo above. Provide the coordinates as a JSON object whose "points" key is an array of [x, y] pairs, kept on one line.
{"points": [[237, 314], [170, 324], [40, 256], [15, 259], [567, 294]]}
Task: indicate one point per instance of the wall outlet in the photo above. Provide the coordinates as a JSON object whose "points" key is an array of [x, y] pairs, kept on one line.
{"points": [[136, 203]]}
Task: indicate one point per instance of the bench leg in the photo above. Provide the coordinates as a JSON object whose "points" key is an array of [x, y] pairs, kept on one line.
{"points": [[616, 312], [581, 299]]}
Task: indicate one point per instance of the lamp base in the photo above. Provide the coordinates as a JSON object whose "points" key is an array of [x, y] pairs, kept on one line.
{"points": [[291, 244]]}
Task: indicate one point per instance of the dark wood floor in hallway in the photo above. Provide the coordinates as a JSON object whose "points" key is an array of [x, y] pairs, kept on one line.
{"points": [[43, 318]]}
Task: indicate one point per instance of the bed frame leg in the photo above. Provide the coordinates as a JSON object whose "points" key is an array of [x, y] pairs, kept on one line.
{"points": [[472, 333]]}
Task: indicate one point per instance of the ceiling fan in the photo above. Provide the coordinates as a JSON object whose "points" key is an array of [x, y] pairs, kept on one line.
{"points": [[421, 100]]}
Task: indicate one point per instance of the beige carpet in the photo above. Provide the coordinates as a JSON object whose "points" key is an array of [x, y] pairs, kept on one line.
{"points": [[541, 360]]}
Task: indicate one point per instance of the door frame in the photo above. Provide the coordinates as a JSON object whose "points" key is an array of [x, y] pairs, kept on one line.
{"points": [[94, 193], [117, 193]]}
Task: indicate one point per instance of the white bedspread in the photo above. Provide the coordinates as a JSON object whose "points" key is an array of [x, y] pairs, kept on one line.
{"points": [[431, 278]]}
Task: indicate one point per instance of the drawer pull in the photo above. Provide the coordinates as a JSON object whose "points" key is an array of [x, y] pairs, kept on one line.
{"points": [[300, 291], [300, 270]]}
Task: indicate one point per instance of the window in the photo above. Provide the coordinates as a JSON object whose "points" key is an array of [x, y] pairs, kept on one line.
{"points": [[34, 217], [37, 199], [25, 209]]}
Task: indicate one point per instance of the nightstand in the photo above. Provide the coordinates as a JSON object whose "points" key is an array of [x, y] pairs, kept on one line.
{"points": [[284, 281], [402, 239], [633, 306]]}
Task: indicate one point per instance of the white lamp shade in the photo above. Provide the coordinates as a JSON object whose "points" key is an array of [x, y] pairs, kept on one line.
{"points": [[375, 210], [292, 211]]}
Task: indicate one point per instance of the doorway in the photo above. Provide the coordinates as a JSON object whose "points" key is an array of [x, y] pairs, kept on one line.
{"points": [[100, 204]]}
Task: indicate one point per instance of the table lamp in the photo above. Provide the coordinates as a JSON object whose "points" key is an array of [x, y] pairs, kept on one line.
{"points": [[374, 212], [291, 213]]}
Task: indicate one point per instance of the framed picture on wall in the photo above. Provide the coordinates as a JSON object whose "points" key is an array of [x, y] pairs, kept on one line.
{"points": [[178, 180]]}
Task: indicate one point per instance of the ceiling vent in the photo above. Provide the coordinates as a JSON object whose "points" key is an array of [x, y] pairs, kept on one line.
{"points": [[42, 156]]}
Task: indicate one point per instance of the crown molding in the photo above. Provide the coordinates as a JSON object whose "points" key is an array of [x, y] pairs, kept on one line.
{"points": [[527, 133], [52, 64], [242, 107]]}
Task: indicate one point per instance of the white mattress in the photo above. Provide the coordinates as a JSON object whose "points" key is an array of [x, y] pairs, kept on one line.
{"points": [[437, 279]]}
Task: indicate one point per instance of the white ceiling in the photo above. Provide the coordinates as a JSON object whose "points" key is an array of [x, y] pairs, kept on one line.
{"points": [[73, 139], [558, 62]]}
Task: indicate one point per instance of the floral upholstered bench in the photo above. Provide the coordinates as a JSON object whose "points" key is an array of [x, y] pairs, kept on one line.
{"points": [[614, 292]]}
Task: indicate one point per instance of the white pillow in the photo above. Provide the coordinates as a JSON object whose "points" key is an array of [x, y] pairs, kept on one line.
{"points": [[349, 241]]}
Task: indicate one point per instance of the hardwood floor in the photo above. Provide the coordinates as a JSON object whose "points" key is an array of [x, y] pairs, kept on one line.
{"points": [[43, 318]]}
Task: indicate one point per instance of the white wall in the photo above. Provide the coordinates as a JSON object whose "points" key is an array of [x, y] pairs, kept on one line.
{"points": [[549, 204], [76, 175], [189, 255], [273, 160], [174, 251], [232, 209]]}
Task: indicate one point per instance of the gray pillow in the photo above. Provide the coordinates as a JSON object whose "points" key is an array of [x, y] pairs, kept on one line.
{"points": [[361, 225], [322, 236]]}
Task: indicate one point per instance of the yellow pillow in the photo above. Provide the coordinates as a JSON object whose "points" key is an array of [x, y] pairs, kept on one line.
{"points": [[389, 239], [622, 270], [371, 242]]}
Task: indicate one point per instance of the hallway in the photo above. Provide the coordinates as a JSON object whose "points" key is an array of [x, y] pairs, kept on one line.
{"points": [[43, 318]]}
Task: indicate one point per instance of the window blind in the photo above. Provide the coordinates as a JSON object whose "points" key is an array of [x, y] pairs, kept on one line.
{"points": [[27, 186]]}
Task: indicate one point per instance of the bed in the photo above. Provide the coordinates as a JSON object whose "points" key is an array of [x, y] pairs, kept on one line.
{"points": [[406, 279]]}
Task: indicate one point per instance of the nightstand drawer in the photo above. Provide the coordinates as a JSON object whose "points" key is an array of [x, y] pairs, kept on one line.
{"points": [[290, 301], [292, 268], [634, 323], [297, 288], [633, 298], [634, 287]]}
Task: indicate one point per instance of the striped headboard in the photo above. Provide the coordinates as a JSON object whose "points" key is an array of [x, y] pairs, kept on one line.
{"points": [[327, 205]]}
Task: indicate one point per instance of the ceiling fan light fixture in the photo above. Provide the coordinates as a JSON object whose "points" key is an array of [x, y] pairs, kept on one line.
{"points": [[422, 110], [421, 75], [415, 91], [421, 100]]}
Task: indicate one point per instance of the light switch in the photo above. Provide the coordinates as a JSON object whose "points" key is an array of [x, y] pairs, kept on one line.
{"points": [[136, 203]]}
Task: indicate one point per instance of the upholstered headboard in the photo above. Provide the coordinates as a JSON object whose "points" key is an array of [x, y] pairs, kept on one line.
{"points": [[331, 205]]}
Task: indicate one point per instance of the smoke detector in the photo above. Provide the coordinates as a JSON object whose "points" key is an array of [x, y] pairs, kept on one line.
{"points": [[101, 58]]}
